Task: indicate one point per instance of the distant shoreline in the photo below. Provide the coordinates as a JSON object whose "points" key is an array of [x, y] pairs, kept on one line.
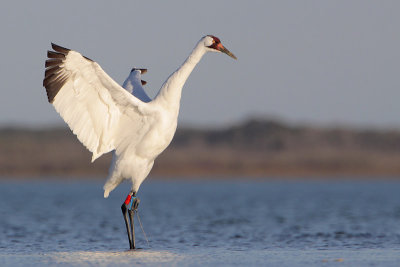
{"points": [[255, 148], [196, 178]]}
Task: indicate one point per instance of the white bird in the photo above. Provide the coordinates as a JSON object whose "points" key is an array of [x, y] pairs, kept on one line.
{"points": [[133, 84], [106, 117]]}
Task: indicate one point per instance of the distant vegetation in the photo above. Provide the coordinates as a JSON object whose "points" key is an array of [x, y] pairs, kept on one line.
{"points": [[255, 148]]}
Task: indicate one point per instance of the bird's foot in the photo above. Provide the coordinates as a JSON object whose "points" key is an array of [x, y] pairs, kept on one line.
{"points": [[130, 206]]}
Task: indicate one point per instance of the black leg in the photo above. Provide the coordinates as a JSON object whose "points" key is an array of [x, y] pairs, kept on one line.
{"points": [[131, 213], [130, 206], [128, 228]]}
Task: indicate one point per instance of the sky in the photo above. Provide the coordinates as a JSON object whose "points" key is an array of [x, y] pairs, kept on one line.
{"points": [[315, 62]]}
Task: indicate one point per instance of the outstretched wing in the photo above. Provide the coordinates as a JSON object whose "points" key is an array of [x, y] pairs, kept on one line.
{"points": [[88, 100], [134, 82]]}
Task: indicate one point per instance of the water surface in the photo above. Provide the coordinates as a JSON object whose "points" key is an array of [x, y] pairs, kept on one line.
{"points": [[202, 222]]}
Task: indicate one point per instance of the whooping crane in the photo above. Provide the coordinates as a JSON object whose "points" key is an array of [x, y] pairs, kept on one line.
{"points": [[107, 117]]}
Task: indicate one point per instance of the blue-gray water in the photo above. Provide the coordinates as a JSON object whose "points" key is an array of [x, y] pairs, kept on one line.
{"points": [[202, 223]]}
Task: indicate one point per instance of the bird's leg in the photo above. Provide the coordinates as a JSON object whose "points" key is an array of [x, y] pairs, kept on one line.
{"points": [[130, 205], [131, 213], [128, 228]]}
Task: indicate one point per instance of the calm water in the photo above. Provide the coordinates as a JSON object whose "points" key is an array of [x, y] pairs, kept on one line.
{"points": [[202, 222]]}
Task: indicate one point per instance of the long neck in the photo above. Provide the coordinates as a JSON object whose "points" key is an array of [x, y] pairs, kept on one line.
{"points": [[170, 93]]}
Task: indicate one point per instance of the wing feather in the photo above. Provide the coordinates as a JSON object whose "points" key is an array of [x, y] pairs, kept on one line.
{"points": [[88, 100]]}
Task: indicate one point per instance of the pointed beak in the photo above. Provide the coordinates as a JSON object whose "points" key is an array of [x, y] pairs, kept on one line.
{"points": [[222, 49]]}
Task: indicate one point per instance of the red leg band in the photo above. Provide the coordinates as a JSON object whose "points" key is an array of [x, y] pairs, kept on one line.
{"points": [[128, 199]]}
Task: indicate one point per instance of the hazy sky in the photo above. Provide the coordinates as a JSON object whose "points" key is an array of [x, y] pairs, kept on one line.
{"points": [[319, 62]]}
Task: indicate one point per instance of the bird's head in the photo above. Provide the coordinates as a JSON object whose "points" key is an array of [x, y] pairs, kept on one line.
{"points": [[213, 44]]}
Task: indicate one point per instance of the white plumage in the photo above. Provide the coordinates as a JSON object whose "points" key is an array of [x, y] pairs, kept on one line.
{"points": [[133, 84], [106, 117]]}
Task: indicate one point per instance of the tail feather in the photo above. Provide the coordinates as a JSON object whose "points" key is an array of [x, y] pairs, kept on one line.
{"points": [[111, 184]]}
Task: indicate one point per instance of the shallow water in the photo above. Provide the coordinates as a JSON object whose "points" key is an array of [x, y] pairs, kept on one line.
{"points": [[202, 222]]}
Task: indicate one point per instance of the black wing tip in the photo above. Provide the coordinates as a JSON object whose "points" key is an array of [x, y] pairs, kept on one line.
{"points": [[49, 84], [51, 94], [53, 62], [142, 71], [55, 76], [143, 82], [60, 49], [53, 79], [53, 83], [88, 58], [52, 54]]}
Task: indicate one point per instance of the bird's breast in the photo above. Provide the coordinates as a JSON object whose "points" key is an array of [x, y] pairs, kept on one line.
{"points": [[157, 138]]}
